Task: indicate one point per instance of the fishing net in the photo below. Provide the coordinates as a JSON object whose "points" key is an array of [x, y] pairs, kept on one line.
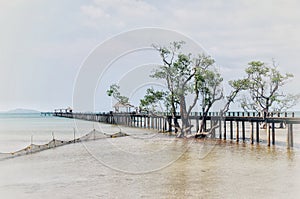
{"points": [[33, 148]]}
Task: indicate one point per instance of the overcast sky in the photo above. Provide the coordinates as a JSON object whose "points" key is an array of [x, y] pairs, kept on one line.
{"points": [[44, 43]]}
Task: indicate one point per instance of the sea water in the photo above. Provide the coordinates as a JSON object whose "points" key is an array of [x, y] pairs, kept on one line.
{"points": [[143, 165]]}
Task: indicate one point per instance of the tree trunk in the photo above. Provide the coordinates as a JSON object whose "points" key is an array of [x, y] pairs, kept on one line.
{"points": [[176, 124], [265, 114], [203, 123], [185, 128], [204, 118]]}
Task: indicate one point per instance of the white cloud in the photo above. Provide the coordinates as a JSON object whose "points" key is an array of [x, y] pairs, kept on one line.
{"points": [[233, 31], [94, 12], [117, 13]]}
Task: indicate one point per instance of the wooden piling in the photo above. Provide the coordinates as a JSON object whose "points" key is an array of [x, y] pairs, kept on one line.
{"points": [[205, 125], [273, 133], [197, 122], [231, 129], [252, 132], [243, 130], [257, 132], [148, 122], [165, 123], [268, 134], [237, 131], [152, 122], [220, 128], [290, 139], [141, 120], [170, 123], [212, 123], [160, 123], [224, 130], [292, 136]]}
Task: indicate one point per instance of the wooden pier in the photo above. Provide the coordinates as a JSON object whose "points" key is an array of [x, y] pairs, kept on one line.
{"points": [[45, 114], [232, 126], [57, 111]]}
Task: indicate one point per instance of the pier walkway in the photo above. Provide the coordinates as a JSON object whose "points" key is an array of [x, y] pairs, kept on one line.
{"points": [[232, 126]]}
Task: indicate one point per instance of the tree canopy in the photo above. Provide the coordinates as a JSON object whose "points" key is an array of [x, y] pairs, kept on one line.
{"points": [[186, 74], [263, 84], [114, 92], [196, 76], [152, 99]]}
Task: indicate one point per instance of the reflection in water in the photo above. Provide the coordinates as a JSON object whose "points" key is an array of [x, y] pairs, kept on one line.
{"points": [[230, 170], [177, 181], [290, 154], [151, 165]]}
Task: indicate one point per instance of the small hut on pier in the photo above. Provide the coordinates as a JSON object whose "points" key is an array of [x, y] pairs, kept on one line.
{"points": [[123, 107], [64, 110]]}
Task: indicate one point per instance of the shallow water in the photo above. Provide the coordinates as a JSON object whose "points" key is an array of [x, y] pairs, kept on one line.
{"points": [[145, 165]]}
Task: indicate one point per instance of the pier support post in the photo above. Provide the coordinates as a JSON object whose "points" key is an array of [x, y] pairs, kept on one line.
{"points": [[152, 122], [290, 139], [142, 120], [257, 132], [160, 124], [212, 123], [231, 130], [252, 132], [205, 125], [224, 130], [237, 131], [268, 134], [148, 122], [165, 124], [197, 123], [220, 128], [273, 133], [170, 123], [243, 130]]}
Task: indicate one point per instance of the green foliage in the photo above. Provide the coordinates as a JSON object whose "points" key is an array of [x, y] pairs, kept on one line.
{"points": [[209, 85], [151, 99], [263, 84], [177, 71], [287, 102], [240, 84], [187, 75], [114, 92]]}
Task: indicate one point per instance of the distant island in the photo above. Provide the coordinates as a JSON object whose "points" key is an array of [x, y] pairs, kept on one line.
{"points": [[21, 110]]}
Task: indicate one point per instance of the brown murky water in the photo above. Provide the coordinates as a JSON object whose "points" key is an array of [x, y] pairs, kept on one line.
{"points": [[150, 165]]}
